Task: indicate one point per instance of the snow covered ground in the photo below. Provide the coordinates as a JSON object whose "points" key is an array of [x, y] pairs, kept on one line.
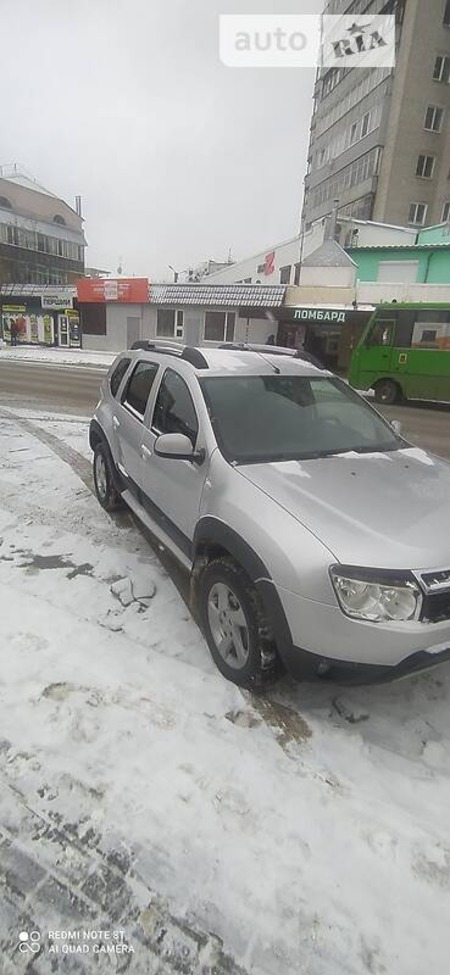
{"points": [[305, 832], [61, 357]]}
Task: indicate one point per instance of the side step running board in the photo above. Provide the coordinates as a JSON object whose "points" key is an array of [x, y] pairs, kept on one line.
{"points": [[156, 530]]}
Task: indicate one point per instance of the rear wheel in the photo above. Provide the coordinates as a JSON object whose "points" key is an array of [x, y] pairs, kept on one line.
{"points": [[387, 392], [234, 624], [107, 495]]}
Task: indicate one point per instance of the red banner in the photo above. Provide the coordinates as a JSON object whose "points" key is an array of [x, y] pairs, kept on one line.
{"points": [[122, 290]]}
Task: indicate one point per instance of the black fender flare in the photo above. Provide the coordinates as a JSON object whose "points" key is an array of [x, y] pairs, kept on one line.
{"points": [[212, 532], [96, 436]]}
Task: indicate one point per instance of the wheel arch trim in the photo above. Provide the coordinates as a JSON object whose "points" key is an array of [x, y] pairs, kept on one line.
{"points": [[97, 436], [211, 531]]}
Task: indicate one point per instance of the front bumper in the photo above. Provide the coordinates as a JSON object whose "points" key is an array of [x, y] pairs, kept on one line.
{"points": [[306, 666], [317, 640]]}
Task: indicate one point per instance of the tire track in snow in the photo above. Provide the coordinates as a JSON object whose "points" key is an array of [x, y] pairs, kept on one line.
{"points": [[121, 519], [69, 455]]}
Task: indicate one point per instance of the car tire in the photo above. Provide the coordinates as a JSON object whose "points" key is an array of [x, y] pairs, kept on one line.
{"points": [[232, 618], [387, 392], [107, 494]]}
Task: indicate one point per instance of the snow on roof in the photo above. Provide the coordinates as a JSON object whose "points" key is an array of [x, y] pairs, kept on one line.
{"points": [[401, 247], [329, 254], [20, 179], [220, 295]]}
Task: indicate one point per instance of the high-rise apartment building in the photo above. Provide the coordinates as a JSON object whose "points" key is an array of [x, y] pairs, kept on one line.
{"points": [[380, 137]]}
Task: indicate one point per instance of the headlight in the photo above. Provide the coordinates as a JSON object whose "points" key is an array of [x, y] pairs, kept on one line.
{"points": [[363, 596]]}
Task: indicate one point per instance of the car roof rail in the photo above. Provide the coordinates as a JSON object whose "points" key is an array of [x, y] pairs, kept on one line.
{"points": [[254, 347], [195, 357], [307, 357], [147, 346], [187, 353]]}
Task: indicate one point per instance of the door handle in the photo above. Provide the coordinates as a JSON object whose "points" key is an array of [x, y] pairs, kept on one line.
{"points": [[116, 423], [146, 453]]}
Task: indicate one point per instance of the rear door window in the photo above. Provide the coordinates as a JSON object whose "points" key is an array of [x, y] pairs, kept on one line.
{"points": [[138, 388], [117, 375]]}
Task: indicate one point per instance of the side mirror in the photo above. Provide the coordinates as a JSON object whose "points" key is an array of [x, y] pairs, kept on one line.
{"points": [[176, 446], [397, 427]]}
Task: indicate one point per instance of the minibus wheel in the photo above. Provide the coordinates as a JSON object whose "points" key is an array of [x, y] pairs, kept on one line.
{"points": [[387, 392]]}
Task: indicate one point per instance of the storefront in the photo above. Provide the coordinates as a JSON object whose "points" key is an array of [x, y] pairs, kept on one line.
{"points": [[330, 333], [117, 313], [30, 315]]}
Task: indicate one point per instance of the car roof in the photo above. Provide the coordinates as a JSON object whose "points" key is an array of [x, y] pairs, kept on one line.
{"points": [[205, 362], [227, 362]]}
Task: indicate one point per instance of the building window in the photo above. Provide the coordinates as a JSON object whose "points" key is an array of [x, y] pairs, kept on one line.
{"points": [[93, 318], [442, 69], [331, 79], [447, 14], [285, 274], [358, 172], [43, 243], [4, 203], [219, 326], [12, 235], [365, 124], [446, 212], [434, 117], [297, 272], [418, 214], [425, 167], [58, 219], [170, 323]]}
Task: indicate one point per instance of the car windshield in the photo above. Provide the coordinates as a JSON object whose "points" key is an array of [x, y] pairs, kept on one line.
{"points": [[260, 419]]}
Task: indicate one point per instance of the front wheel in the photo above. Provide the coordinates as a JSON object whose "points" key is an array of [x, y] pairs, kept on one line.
{"points": [[233, 621], [387, 392], [107, 495]]}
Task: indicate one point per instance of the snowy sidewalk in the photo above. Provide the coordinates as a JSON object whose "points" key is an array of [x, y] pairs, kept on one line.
{"points": [[60, 357], [306, 832]]}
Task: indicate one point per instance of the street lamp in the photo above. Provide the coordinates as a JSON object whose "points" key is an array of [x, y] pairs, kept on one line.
{"points": [[175, 273]]}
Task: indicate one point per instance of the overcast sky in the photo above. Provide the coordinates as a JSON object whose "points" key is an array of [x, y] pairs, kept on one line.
{"points": [[177, 157]]}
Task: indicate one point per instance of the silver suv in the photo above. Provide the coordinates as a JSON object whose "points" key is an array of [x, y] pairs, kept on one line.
{"points": [[316, 538]]}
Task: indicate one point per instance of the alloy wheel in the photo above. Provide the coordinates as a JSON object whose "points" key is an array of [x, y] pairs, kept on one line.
{"points": [[228, 626]]}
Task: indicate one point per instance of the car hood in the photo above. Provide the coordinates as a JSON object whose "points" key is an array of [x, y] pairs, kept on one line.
{"points": [[387, 510]]}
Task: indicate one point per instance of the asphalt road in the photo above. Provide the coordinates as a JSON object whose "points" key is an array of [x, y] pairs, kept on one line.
{"points": [[75, 389], [70, 389]]}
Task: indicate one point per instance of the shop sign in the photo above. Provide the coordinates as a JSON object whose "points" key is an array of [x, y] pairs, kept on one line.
{"points": [[122, 290], [320, 315], [268, 267], [56, 302]]}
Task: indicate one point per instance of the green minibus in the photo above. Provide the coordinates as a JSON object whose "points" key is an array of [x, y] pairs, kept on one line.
{"points": [[404, 353]]}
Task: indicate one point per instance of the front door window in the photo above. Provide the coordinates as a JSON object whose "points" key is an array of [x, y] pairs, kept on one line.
{"points": [[174, 409], [382, 333]]}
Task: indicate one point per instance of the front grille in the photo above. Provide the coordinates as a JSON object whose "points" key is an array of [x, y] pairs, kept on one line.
{"points": [[436, 607], [436, 580]]}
